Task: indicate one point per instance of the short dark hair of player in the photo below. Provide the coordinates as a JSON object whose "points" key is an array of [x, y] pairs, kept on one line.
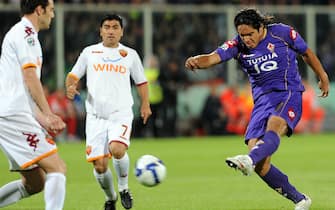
{"points": [[29, 6], [112, 17], [252, 17]]}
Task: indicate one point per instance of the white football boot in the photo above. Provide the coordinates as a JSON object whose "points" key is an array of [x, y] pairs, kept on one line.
{"points": [[242, 163], [303, 204]]}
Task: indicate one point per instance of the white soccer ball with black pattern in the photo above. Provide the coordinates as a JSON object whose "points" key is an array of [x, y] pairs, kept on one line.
{"points": [[150, 170]]}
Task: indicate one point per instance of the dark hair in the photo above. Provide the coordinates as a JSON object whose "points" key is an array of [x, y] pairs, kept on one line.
{"points": [[28, 6], [112, 17], [252, 17]]}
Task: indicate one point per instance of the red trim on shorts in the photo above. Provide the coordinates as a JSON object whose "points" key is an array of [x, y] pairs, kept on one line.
{"points": [[140, 84], [119, 142], [26, 165]]}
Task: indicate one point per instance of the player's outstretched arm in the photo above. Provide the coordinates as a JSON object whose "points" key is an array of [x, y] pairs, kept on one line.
{"points": [[202, 61], [71, 84], [313, 61]]}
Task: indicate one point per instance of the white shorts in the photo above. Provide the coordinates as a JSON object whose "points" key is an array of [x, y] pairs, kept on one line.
{"points": [[101, 132], [24, 141]]}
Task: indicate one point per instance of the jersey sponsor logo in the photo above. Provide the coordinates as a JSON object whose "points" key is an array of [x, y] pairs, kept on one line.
{"points": [[293, 34], [228, 44], [109, 67], [262, 58], [291, 114], [264, 63], [32, 140]]}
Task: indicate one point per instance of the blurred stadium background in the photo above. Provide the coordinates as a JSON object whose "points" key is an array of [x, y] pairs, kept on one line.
{"points": [[165, 33]]}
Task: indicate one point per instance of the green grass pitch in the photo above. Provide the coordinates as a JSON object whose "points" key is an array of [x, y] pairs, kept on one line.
{"points": [[198, 178]]}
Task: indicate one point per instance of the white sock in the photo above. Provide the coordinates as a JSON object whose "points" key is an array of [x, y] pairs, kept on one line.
{"points": [[122, 168], [54, 191], [106, 183], [12, 193]]}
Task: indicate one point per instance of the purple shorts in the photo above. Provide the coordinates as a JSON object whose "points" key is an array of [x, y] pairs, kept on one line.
{"points": [[286, 104]]}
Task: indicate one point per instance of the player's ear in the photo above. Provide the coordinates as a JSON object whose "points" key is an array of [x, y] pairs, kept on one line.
{"points": [[39, 10], [262, 27], [100, 32], [121, 32]]}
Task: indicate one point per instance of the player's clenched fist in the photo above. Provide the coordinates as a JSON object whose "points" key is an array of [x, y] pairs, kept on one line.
{"points": [[55, 124], [71, 91], [71, 84], [192, 63]]}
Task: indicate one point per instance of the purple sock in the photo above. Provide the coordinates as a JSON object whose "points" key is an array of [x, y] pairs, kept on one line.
{"points": [[259, 152], [279, 182]]}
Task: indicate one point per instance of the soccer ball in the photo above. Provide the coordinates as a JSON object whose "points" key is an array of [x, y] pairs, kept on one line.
{"points": [[150, 170]]}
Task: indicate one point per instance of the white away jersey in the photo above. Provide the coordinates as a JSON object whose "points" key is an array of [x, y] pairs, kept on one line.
{"points": [[20, 49], [108, 77]]}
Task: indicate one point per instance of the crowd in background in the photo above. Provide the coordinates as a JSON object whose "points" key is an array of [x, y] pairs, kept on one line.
{"points": [[225, 108], [225, 111]]}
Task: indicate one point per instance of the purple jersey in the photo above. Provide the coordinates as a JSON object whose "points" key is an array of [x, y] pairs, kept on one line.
{"points": [[272, 65]]}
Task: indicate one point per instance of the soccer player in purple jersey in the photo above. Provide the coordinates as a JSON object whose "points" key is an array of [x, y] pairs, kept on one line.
{"points": [[267, 53]]}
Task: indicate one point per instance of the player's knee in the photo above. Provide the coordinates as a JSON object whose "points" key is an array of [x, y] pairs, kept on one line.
{"points": [[277, 124], [99, 166], [53, 164], [118, 153], [100, 169], [118, 150]]}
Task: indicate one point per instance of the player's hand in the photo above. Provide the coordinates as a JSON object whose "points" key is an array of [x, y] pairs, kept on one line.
{"points": [[145, 112], [71, 91], [192, 63], [53, 124], [324, 86]]}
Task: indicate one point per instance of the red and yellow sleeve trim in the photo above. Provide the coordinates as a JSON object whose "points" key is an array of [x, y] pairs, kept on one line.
{"points": [[140, 84]]}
